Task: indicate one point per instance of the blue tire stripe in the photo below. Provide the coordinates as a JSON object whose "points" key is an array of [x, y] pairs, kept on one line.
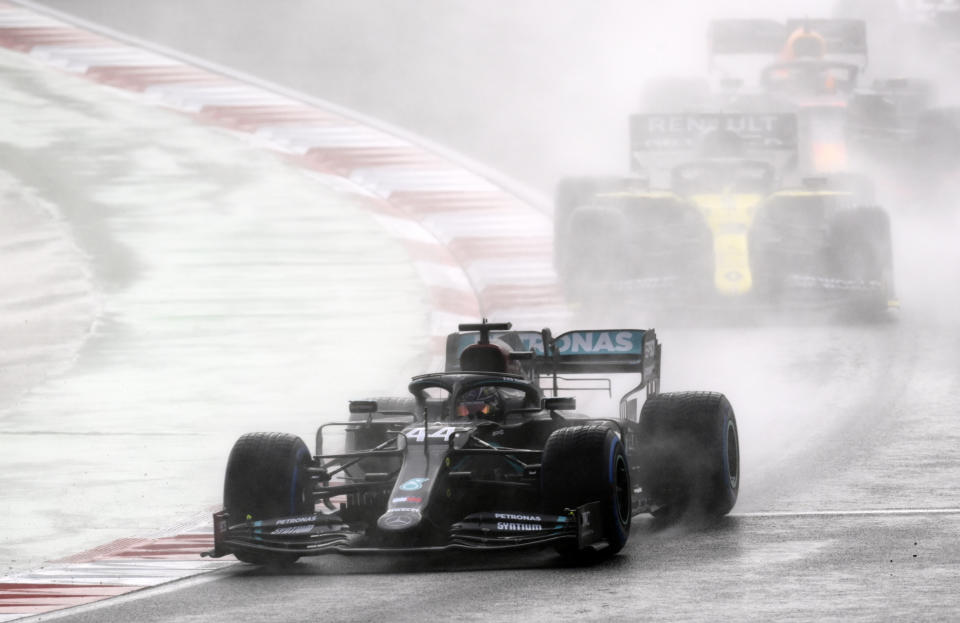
{"points": [[616, 500], [293, 482]]}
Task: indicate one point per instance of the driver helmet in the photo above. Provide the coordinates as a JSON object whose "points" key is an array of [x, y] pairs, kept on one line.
{"points": [[480, 403], [804, 43]]}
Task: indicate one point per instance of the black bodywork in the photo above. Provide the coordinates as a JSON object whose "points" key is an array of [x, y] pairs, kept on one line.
{"points": [[418, 477]]}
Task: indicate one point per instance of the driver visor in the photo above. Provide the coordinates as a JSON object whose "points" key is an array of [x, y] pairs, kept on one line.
{"points": [[466, 409]]}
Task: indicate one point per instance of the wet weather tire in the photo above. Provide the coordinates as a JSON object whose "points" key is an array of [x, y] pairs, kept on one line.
{"points": [[690, 453], [598, 246], [862, 254], [573, 193], [266, 478], [584, 464]]}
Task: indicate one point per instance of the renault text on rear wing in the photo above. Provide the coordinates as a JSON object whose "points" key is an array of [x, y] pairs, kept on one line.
{"points": [[687, 131], [668, 140]]}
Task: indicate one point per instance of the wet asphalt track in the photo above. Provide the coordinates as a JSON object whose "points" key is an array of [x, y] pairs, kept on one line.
{"points": [[746, 568], [216, 309], [851, 449], [849, 511]]}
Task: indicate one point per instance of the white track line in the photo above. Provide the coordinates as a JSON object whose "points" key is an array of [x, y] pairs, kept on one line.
{"points": [[849, 513]]}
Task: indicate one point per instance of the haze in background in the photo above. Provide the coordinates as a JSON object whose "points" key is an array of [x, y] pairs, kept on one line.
{"points": [[541, 89], [536, 89]]}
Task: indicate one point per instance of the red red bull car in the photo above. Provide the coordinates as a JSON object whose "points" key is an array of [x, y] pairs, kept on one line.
{"points": [[811, 67]]}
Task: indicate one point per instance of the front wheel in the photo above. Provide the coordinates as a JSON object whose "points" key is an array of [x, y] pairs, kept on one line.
{"points": [[584, 464], [267, 478]]}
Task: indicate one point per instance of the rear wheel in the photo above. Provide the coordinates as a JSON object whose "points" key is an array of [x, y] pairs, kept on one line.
{"points": [[862, 254], [584, 464], [571, 194], [267, 478], [598, 252], [691, 454]]}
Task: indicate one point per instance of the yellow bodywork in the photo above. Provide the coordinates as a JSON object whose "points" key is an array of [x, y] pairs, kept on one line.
{"points": [[729, 216]]}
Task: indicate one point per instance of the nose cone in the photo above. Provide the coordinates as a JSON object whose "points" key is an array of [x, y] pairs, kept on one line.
{"points": [[399, 520]]}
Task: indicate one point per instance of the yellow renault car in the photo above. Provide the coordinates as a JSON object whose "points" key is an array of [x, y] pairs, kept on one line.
{"points": [[722, 237]]}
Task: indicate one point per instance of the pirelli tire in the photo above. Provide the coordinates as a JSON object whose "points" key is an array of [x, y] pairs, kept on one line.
{"points": [[862, 253], [585, 464], [597, 241], [570, 194], [578, 192], [267, 477], [690, 449]]}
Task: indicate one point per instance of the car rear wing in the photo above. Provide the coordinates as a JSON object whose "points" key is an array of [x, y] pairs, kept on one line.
{"points": [[769, 37], [739, 48], [604, 351], [660, 142], [846, 39]]}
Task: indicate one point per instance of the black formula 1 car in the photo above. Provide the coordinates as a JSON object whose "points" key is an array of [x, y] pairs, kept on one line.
{"points": [[479, 459]]}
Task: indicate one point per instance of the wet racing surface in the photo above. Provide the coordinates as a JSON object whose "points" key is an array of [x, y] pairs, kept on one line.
{"points": [[746, 568], [848, 508], [202, 258]]}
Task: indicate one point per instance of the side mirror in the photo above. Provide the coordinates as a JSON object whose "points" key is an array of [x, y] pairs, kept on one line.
{"points": [[559, 404], [363, 406]]}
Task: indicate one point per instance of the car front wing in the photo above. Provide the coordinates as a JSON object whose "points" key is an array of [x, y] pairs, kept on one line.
{"points": [[319, 533]]}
